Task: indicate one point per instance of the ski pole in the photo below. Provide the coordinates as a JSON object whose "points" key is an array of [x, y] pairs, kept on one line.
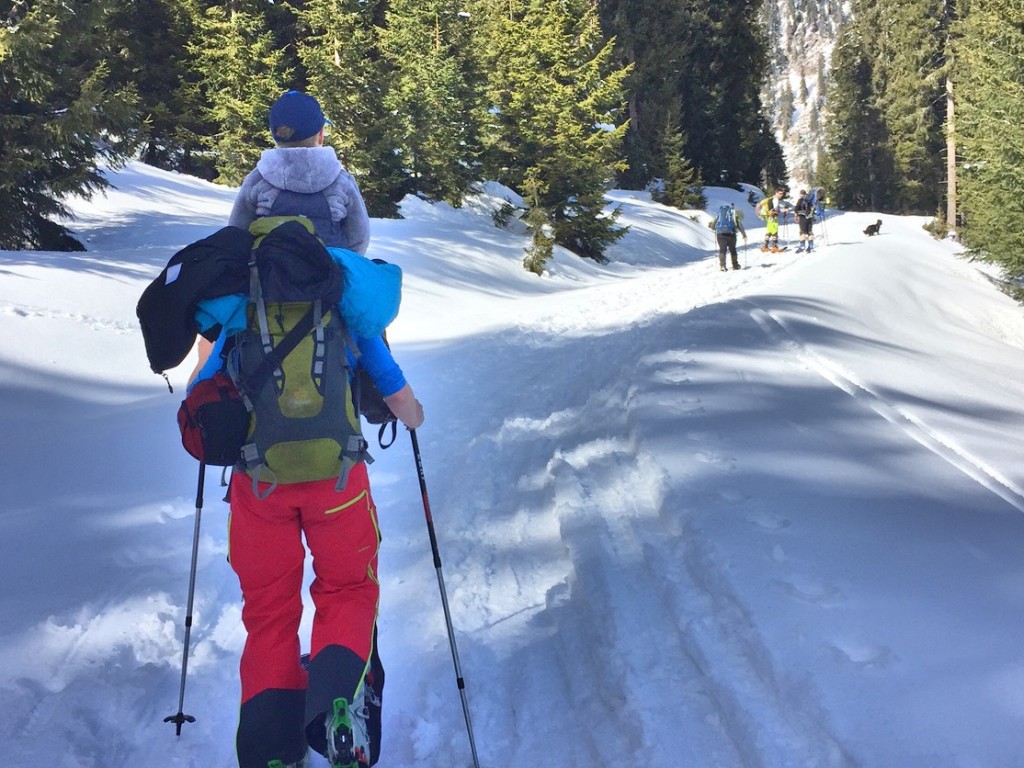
{"points": [[444, 595], [181, 718]]}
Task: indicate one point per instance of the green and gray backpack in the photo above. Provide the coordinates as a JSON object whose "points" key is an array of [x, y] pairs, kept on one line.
{"points": [[290, 363]]}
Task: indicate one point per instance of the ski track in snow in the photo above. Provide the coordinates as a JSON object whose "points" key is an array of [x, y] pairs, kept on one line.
{"points": [[941, 445], [696, 649], [620, 514]]}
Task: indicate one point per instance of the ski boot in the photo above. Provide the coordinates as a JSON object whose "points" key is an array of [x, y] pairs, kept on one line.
{"points": [[764, 248], [800, 248], [348, 744], [810, 246]]}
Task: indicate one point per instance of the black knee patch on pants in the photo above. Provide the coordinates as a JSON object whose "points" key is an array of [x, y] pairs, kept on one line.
{"points": [[270, 728]]}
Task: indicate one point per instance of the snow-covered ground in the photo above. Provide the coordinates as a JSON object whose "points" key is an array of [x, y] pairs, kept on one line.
{"points": [[695, 519]]}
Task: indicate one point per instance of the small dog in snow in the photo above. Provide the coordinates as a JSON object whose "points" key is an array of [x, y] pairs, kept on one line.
{"points": [[872, 229]]}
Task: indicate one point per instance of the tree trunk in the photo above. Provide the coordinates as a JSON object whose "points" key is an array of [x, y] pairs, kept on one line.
{"points": [[951, 222]]}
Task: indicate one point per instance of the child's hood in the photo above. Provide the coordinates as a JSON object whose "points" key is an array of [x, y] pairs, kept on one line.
{"points": [[299, 169]]}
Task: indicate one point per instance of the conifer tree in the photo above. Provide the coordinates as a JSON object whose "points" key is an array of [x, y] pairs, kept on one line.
{"points": [[989, 73], [786, 109], [348, 73], [822, 81], [149, 40], [651, 37], [60, 122], [538, 221], [241, 71], [681, 187], [887, 107], [707, 63], [772, 171], [555, 116], [720, 90], [436, 95], [860, 172], [909, 88]]}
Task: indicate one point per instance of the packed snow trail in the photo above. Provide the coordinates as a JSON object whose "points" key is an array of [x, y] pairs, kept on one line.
{"points": [[628, 524]]}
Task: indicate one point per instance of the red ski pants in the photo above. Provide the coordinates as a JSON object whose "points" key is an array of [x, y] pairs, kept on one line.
{"points": [[267, 553]]}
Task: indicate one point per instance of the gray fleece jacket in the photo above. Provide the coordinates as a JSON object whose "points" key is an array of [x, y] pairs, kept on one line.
{"points": [[322, 190]]}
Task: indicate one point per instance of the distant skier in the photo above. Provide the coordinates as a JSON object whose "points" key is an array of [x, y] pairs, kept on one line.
{"points": [[726, 224], [804, 210], [768, 210]]}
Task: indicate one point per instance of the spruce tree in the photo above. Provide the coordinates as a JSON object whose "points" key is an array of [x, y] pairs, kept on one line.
{"points": [[860, 172], [681, 187], [786, 109], [555, 115], [887, 107], [649, 36], [772, 171], [149, 40], [60, 120], [720, 90], [241, 72], [436, 95], [989, 76], [909, 88], [348, 73], [538, 221]]}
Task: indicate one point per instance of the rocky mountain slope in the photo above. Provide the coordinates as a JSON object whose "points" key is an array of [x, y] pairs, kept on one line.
{"points": [[803, 33]]}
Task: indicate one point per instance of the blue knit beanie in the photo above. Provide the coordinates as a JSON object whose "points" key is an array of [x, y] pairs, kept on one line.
{"points": [[295, 116]]}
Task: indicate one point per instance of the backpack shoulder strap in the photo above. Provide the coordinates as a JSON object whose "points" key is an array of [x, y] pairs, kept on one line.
{"points": [[275, 357]]}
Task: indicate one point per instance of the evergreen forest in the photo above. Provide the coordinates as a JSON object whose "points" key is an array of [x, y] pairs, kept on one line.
{"points": [[557, 99]]}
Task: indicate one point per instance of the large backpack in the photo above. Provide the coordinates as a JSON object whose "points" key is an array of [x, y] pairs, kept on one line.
{"points": [[818, 201], [725, 222], [290, 364]]}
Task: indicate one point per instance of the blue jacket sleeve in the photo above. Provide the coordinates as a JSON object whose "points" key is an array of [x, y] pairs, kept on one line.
{"points": [[376, 358]]}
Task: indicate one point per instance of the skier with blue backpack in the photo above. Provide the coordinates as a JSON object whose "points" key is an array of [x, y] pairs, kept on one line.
{"points": [[727, 222]]}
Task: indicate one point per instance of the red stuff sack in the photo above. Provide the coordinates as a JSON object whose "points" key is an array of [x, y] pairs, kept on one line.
{"points": [[213, 421]]}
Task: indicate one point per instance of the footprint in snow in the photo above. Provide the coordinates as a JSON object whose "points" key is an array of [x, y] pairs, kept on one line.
{"points": [[671, 376], [709, 457], [769, 521], [860, 654], [812, 592], [732, 495]]}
